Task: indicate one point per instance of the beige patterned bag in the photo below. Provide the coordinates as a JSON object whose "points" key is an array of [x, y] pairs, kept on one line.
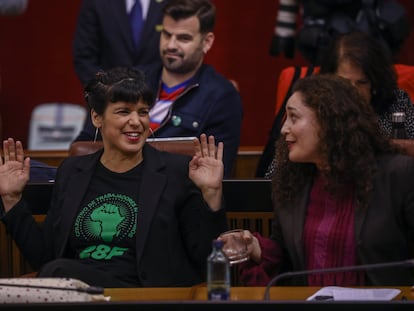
{"points": [[43, 290]]}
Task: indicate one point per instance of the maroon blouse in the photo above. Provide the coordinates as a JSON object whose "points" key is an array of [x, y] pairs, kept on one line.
{"points": [[328, 241]]}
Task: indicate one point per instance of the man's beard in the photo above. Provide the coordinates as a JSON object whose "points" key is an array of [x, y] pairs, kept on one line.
{"points": [[179, 65]]}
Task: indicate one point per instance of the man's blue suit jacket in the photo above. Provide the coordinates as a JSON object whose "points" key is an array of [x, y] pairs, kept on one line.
{"points": [[103, 38]]}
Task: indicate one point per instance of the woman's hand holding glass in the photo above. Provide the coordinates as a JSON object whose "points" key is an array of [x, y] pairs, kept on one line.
{"points": [[240, 245]]}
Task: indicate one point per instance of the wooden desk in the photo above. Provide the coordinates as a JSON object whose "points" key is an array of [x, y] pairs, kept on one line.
{"points": [[194, 299], [279, 293]]}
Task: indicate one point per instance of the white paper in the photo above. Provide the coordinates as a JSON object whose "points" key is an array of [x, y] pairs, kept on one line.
{"points": [[354, 294]]}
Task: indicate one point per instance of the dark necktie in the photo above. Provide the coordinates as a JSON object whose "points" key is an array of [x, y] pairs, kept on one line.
{"points": [[136, 20]]}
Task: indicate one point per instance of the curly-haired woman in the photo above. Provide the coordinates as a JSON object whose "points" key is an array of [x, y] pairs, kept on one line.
{"points": [[342, 193]]}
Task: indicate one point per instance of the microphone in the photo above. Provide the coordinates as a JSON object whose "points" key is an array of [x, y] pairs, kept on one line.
{"points": [[93, 290], [394, 264]]}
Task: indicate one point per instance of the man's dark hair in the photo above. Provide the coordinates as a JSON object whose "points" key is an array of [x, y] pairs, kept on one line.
{"points": [[203, 9]]}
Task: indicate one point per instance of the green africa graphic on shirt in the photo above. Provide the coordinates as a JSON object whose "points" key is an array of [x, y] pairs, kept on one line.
{"points": [[110, 219]]}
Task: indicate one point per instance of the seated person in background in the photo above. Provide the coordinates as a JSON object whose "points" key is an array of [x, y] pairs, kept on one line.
{"points": [[343, 194], [367, 63], [41, 172], [128, 215], [192, 98]]}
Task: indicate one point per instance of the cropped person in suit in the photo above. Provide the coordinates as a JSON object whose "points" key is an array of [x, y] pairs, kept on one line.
{"points": [[192, 97], [128, 215], [104, 37], [13, 7], [342, 193]]}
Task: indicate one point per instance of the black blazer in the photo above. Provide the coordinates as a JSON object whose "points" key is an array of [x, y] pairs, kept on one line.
{"points": [[384, 231], [103, 38], [175, 227]]}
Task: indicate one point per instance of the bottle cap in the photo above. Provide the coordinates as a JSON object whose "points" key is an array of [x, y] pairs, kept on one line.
{"points": [[218, 243], [398, 117]]}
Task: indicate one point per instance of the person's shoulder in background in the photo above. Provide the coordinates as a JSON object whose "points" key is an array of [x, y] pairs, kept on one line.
{"points": [[41, 172], [13, 7]]}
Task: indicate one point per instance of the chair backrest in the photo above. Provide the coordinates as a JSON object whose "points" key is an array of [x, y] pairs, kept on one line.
{"points": [[78, 148], [405, 80], [405, 75], [287, 78], [181, 145], [53, 126]]}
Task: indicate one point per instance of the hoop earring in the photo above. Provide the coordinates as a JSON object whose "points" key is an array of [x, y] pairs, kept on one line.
{"points": [[96, 135]]}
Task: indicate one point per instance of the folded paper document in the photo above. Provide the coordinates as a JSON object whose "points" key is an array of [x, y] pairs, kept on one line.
{"points": [[334, 293]]}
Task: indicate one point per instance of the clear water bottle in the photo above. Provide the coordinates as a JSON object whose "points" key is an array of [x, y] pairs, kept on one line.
{"points": [[398, 125], [218, 273]]}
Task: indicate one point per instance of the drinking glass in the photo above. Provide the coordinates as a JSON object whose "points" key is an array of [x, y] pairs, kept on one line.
{"points": [[235, 247]]}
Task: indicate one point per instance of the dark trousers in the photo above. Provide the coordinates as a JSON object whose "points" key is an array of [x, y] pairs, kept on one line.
{"points": [[71, 268]]}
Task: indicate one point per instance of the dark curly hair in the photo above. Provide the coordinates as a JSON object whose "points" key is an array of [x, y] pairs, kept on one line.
{"points": [[117, 84], [375, 60], [349, 135]]}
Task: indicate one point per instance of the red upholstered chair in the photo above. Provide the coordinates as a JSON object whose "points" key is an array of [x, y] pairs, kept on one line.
{"points": [[287, 78], [406, 78], [84, 147], [405, 75]]}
